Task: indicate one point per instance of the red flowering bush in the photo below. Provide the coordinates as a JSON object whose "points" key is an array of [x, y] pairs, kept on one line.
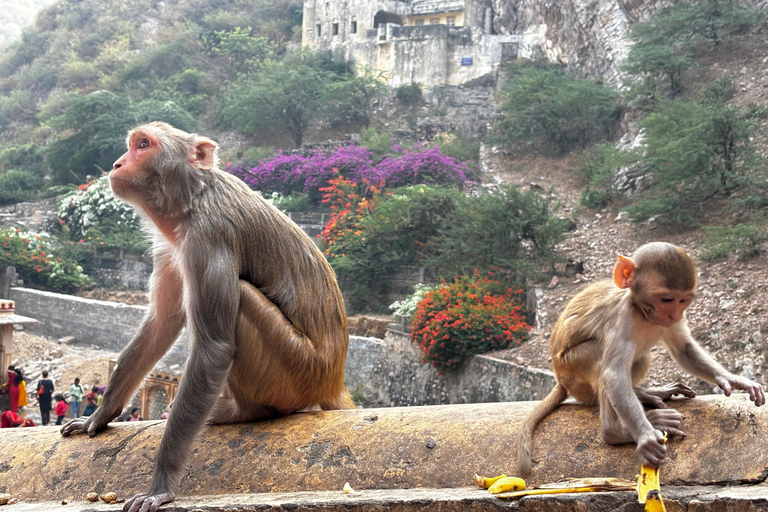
{"points": [[349, 206], [470, 316]]}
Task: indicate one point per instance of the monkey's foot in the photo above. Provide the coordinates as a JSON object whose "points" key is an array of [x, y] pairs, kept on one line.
{"points": [[90, 425], [148, 503]]}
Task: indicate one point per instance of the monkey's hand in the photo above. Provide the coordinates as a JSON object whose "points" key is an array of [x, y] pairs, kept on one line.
{"points": [[666, 420], [148, 502], [651, 448], [91, 425], [730, 382], [655, 397]]}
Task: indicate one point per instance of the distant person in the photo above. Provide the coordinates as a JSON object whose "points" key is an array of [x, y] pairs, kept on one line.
{"points": [[13, 388], [61, 408], [135, 415], [44, 397], [91, 401], [75, 397], [22, 387], [9, 419]]}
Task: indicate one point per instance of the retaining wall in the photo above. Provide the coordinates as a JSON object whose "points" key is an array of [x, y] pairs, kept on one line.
{"points": [[384, 372], [109, 325]]}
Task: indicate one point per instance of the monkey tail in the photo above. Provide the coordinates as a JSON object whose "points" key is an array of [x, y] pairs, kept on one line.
{"points": [[525, 438]]}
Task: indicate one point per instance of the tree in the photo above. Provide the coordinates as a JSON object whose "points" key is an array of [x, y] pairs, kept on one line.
{"points": [[91, 132], [350, 99], [696, 151], [543, 103], [290, 93], [667, 43]]}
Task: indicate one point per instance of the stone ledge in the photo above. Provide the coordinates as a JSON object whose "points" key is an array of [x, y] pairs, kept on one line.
{"points": [[691, 499], [383, 449]]}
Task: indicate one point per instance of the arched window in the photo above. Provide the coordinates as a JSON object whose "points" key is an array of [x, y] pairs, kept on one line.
{"points": [[353, 25], [387, 17], [318, 29]]}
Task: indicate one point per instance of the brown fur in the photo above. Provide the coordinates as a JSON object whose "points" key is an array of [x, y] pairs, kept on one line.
{"points": [[261, 303], [600, 349]]}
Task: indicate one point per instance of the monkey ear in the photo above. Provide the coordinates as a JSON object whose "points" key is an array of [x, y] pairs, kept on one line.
{"points": [[624, 272], [204, 154]]}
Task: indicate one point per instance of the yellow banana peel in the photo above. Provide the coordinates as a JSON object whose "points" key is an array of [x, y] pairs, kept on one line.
{"points": [[649, 488], [485, 482], [653, 502], [507, 484]]}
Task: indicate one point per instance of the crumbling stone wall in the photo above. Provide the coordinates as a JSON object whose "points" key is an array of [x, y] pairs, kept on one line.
{"points": [[109, 325], [389, 373]]}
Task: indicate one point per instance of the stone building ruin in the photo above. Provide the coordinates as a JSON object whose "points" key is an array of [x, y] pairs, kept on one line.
{"points": [[432, 43]]}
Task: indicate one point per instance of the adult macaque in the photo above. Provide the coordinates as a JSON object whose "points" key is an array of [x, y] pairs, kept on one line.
{"points": [[601, 346], [261, 304]]}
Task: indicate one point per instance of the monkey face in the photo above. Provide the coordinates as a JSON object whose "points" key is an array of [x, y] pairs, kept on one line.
{"points": [[133, 167], [667, 305]]}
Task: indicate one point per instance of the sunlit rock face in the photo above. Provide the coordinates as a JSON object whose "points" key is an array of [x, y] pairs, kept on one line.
{"points": [[589, 35]]}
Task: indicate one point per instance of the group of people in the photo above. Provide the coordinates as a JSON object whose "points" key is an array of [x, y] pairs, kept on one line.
{"points": [[17, 392]]}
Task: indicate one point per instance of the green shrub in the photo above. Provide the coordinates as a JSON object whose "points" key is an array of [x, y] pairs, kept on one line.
{"points": [[695, 151], [544, 104], [17, 185], [409, 94], [470, 316], [296, 202], [92, 215], [498, 227], [459, 146], [740, 239], [596, 167], [38, 261]]}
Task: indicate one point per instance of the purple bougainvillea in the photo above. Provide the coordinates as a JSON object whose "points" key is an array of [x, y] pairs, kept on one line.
{"points": [[420, 164]]}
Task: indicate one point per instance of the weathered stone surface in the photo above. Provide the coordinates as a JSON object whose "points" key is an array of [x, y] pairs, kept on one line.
{"points": [[389, 372], [466, 499], [399, 448]]}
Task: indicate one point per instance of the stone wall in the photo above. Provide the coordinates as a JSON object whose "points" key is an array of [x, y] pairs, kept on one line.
{"points": [[129, 272], [386, 372], [109, 325], [389, 373]]}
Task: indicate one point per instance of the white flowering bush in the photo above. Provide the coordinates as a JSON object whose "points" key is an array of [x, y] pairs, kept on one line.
{"points": [[407, 306], [91, 214]]}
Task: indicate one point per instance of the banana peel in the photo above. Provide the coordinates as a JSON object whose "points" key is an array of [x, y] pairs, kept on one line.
{"points": [[510, 483], [649, 488], [485, 482], [570, 485]]}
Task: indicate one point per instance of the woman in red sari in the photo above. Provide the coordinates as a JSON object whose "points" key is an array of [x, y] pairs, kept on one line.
{"points": [[13, 388]]}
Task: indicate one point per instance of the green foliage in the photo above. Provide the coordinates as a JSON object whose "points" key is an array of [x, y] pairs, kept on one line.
{"points": [[19, 185], [92, 132], [380, 143], [409, 94], [470, 316], [290, 93], [740, 239], [242, 50], [596, 167], [459, 146], [39, 261], [255, 154], [668, 42], [544, 104], [696, 151], [296, 202], [497, 228], [350, 100], [91, 214]]}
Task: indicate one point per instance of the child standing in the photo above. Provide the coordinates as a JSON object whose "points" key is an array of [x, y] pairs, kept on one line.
{"points": [[61, 408]]}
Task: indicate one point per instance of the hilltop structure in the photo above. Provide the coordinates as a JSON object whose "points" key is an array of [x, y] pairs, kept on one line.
{"points": [[432, 43]]}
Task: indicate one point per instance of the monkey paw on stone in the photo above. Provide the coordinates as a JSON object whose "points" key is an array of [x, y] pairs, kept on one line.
{"points": [[148, 502]]}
